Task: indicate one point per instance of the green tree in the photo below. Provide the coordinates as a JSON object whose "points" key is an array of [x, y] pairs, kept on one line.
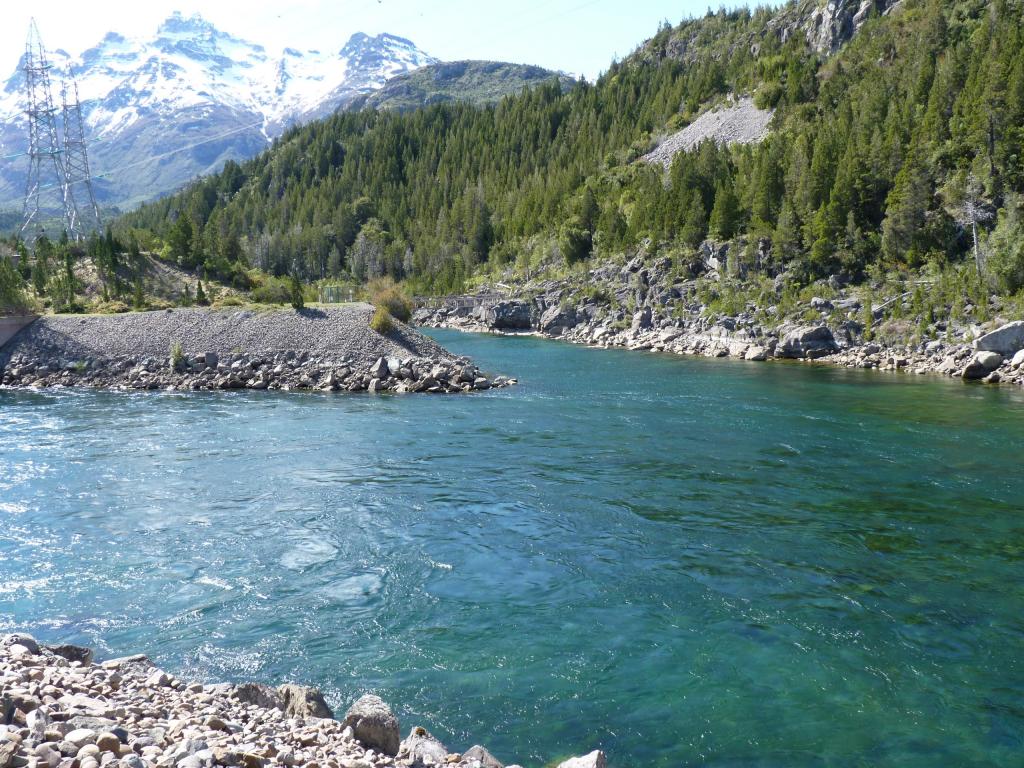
{"points": [[12, 293], [575, 244], [298, 298], [180, 240], [1006, 245], [725, 216]]}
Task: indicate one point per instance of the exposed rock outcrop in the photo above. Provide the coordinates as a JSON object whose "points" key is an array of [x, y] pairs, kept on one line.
{"points": [[479, 757], [829, 24], [508, 315]]}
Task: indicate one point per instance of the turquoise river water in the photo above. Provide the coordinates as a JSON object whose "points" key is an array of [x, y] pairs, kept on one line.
{"points": [[680, 561]]}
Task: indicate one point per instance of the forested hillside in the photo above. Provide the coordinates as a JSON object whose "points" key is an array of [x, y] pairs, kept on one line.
{"points": [[901, 148]]}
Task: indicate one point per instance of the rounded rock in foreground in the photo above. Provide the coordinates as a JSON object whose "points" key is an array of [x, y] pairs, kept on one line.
{"points": [[374, 725], [303, 701]]}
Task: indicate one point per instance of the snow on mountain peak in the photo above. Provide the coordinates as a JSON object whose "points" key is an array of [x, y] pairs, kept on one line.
{"points": [[191, 63], [178, 103]]}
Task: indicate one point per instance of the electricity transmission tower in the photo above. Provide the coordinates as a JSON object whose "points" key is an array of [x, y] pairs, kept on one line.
{"points": [[56, 167], [81, 213], [45, 186]]}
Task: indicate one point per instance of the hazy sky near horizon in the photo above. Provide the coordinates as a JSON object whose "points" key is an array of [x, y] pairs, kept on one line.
{"points": [[578, 36]]}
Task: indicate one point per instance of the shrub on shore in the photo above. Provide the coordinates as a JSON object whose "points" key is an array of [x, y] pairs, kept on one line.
{"points": [[385, 293], [272, 290], [177, 355], [382, 322]]}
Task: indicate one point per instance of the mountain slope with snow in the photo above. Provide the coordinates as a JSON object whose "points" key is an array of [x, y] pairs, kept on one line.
{"points": [[160, 111]]}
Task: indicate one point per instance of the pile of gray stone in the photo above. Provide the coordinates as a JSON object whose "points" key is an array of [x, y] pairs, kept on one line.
{"points": [[60, 709], [291, 370]]}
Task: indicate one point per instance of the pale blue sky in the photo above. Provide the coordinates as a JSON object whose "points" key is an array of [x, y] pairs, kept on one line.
{"points": [[579, 36]]}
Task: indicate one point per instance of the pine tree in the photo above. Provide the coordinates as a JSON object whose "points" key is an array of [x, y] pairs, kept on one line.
{"points": [[726, 214], [180, 240], [905, 212], [298, 299]]}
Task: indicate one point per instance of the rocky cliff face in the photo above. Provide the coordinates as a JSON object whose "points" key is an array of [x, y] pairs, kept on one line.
{"points": [[825, 24], [831, 24]]}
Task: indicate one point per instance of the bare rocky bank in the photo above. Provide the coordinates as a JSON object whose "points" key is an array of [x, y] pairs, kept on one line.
{"points": [[667, 316], [60, 709], [329, 349]]}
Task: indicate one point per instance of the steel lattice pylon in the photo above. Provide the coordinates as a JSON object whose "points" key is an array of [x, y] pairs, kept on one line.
{"points": [[46, 186], [58, 189], [81, 213]]}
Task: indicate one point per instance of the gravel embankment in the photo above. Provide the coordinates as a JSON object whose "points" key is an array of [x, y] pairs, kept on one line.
{"points": [[335, 332], [198, 349], [59, 709]]}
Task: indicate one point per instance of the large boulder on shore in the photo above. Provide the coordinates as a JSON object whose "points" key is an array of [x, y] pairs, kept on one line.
{"points": [[374, 724], [22, 639], [1006, 340], [981, 365], [422, 749], [70, 652], [508, 316], [806, 341], [557, 320], [595, 759], [642, 320], [261, 695], [303, 701], [479, 757]]}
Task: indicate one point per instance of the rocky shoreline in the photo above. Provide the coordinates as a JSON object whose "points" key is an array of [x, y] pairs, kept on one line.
{"points": [[327, 350], [60, 709], [666, 322]]}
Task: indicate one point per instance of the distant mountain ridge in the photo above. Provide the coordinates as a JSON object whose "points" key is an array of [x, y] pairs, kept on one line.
{"points": [[479, 82], [196, 87]]}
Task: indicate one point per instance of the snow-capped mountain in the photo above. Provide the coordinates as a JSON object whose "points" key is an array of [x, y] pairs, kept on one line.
{"points": [[163, 110]]}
